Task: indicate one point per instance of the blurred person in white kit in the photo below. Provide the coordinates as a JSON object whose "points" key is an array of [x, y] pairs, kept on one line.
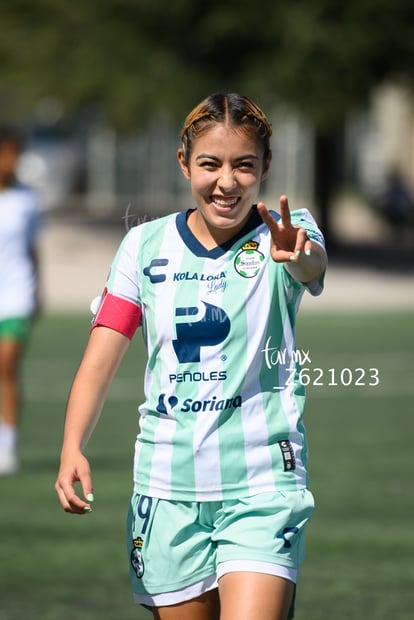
{"points": [[19, 228]]}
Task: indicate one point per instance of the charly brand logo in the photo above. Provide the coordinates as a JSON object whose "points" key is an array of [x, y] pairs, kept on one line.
{"points": [[249, 260], [287, 535], [199, 327], [152, 271]]}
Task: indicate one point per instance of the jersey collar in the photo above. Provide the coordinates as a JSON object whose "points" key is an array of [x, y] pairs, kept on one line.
{"points": [[198, 249]]}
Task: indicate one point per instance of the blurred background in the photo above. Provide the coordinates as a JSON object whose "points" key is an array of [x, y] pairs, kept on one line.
{"points": [[99, 90]]}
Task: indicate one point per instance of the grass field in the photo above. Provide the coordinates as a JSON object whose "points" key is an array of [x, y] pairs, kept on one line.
{"points": [[360, 544]]}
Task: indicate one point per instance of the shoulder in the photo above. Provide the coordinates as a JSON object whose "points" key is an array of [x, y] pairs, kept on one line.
{"points": [[151, 226], [23, 188], [305, 219], [146, 232], [302, 215], [26, 195], [297, 216]]}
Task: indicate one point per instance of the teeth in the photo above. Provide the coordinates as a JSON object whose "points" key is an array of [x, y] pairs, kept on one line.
{"points": [[225, 203]]}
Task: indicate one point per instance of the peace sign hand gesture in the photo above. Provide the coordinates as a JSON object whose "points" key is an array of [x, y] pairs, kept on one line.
{"points": [[288, 242], [304, 259]]}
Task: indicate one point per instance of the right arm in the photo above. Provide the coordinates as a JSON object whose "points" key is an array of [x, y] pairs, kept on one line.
{"points": [[100, 362]]}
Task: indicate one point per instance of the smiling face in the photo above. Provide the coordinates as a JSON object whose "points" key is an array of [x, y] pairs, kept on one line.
{"points": [[226, 167]]}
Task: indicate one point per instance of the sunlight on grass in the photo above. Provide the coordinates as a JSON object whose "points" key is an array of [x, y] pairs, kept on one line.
{"points": [[359, 550]]}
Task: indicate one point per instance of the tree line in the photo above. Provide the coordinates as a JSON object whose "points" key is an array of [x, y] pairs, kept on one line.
{"points": [[126, 59]]}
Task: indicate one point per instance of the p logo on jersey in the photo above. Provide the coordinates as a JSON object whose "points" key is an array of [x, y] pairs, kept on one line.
{"points": [[249, 260], [197, 328]]}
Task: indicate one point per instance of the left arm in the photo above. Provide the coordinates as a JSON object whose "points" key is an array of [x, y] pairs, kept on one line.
{"points": [[34, 257], [304, 259]]}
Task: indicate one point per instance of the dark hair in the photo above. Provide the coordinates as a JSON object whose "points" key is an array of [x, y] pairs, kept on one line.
{"points": [[237, 110], [10, 134]]}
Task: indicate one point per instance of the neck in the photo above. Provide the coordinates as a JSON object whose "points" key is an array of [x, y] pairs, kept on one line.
{"points": [[208, 236]]}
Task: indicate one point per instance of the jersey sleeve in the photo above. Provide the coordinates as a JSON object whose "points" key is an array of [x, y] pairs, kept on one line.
{"points": [[34, 219], [304, 219], [119, 307]]}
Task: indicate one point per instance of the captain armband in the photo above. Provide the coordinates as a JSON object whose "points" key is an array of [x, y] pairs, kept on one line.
{"points": [[116, 313]]}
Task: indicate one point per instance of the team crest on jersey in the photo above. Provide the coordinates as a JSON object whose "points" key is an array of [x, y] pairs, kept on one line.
{"points": [[249, 260], [136, 557]]}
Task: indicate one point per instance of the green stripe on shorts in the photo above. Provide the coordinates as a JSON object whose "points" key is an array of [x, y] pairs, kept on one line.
{"points": [[14, 329]]}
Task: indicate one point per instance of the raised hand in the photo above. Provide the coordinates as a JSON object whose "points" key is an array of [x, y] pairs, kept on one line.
{"points": [[288, 241]]}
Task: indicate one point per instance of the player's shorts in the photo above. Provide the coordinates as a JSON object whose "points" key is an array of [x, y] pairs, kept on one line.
{"points": [[15, 329], [179, 550]]}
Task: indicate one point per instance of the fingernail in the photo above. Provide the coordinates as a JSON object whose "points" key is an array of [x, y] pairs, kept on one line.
{"points": [[87, 509], [308, 252], [297, 252], [90, 497], [293, 259]]}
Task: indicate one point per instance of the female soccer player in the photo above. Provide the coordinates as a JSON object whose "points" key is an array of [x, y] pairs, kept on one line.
{"points": [[220, 503], [19, 226]]}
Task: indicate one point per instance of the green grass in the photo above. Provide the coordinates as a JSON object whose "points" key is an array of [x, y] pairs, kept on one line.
{"points": [[359, 546]]}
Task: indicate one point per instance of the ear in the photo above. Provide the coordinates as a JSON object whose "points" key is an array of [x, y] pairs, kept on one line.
{"points": [[266, 166], [181, 160]]}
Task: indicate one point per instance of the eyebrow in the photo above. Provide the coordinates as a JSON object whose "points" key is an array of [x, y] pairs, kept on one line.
{"points": [[207, 156]]}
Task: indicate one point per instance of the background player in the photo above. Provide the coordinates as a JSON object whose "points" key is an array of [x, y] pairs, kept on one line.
{"points": [[19, 226], [220, 500]]}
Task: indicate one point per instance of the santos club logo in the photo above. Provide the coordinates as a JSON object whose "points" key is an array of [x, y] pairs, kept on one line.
{"points": [[199, 327], [249, 260]]}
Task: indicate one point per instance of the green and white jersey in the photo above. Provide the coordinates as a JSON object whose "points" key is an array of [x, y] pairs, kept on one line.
{"points": [[222, 417]]}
